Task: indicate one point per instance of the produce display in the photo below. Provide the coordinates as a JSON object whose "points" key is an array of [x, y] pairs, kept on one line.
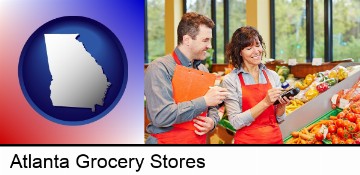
{"points": [[345, 127], [342, 128], [314, 84], [338, 126], [294, 104], [346, 96], [310, 134]]}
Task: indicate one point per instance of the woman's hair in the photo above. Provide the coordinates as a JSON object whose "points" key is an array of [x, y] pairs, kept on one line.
{"points": [[242, 38], [189, 25]]}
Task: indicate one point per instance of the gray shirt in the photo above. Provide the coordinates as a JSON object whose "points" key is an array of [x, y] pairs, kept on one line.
{"points": [[237, 117], [161, 109]]}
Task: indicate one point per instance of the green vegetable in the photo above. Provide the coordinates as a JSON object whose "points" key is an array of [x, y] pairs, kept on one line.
{"points": [[331, 81], [320, 74], [283, 71], [282, 78], [324, 78], [277, 68]]}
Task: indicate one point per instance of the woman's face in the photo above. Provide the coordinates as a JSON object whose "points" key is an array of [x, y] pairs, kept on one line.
{"points": [[252, 54]]}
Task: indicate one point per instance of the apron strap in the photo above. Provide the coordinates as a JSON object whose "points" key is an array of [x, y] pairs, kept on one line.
{"points": [[176, 58], [242, 82], [267, 78]]}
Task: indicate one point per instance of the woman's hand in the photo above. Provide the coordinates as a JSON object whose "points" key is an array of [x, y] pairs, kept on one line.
{"points": [[284, 101], [280, 108], [272, 95]]}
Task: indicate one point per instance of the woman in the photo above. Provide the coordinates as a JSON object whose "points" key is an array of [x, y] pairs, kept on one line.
{"points": [[253, 89]]}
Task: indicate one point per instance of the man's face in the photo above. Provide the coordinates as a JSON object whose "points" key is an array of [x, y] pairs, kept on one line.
{"points": [[201, 43]]}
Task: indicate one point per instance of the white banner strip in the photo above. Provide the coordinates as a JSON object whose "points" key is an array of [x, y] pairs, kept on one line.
{"points": [[221, 160]]}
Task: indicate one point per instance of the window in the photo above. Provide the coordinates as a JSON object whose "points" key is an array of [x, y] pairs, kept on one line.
{"points": [[236, 16], [235, 11], [155, 29], [319, 20], [199, 6], [220, 31], [290, 30], [346, 29], [290, 34], [339, 24]]}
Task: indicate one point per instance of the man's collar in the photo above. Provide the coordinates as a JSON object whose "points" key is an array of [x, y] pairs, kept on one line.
{"points": [[183, 59]]}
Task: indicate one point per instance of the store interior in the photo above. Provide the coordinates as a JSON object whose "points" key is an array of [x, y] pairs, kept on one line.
{"points": [[311, 45]]}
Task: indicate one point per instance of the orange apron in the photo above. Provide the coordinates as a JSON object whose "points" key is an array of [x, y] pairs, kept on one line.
{"points": [[182, 133], [264, 130]]}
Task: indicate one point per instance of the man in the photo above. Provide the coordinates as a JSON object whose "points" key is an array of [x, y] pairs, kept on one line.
{"points": [[194, 39]]}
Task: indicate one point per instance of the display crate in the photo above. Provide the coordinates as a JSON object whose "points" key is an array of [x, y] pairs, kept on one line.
{"points": [[315, 107], [326, 116]]}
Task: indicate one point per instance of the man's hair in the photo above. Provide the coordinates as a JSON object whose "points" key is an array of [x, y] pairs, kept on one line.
{"points": [[189, 25], [242, 38]]}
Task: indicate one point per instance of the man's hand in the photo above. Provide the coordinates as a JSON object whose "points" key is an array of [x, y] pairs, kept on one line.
{"points": [[203, 125], [215, 95]]}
